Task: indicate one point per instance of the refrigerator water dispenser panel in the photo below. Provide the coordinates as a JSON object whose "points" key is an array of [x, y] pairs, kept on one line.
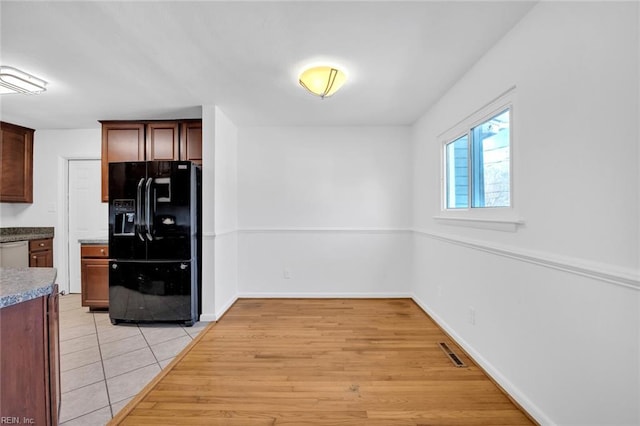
{"points": [[125, 217], [163, 190]]}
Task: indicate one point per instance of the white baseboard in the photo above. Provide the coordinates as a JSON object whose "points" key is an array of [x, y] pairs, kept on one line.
{"points": [[208, 317], [272, 295], [324, 230], [509, 387], [226, 307], [212, 317]]}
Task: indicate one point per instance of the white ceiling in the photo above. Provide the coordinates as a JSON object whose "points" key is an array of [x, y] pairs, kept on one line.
{"points": [[145, 60]]}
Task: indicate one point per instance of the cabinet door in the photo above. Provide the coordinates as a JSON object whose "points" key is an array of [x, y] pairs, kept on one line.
{"points": [[54, 357], [121, 141], [41, 259], [191, 141], [16, 164], [162, 141], [95, 282], [24, 386]]}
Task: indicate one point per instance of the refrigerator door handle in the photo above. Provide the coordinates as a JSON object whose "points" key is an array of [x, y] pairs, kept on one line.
{"points": [[139, 224], [148, 216]]}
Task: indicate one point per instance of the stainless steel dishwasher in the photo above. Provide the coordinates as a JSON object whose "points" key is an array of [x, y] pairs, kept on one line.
{"points": [[14, 254]]}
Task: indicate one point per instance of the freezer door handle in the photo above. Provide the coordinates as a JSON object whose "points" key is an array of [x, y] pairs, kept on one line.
{"points": [[139, 220], [148, 215]]}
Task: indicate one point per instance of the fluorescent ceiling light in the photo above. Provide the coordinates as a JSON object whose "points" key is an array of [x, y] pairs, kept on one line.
{"points": [[13, 80], [322, 81]]}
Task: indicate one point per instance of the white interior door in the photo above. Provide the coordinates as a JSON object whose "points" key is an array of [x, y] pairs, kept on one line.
{"points": [[88, 215]]}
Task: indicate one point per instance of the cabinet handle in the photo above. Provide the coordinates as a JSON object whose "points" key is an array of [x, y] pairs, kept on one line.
{"points": [[41, 244], [102, 251], [34, 257]]}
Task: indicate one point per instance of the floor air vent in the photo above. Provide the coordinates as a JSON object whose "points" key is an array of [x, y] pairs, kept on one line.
{"points": [[452, 356]]}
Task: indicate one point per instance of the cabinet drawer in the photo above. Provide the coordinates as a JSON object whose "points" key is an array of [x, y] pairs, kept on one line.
{"points": [[40, 245], [94, 251]]}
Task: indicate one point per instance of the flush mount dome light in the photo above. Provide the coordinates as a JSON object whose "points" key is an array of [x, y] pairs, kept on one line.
{"points": [[13, 80], [322, 81]]}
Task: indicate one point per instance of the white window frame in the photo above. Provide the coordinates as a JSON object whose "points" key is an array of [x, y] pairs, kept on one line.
{"points": [[497, 218]]}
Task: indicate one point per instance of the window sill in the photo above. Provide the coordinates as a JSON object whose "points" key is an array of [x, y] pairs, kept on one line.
{"points": [[505, 225]]}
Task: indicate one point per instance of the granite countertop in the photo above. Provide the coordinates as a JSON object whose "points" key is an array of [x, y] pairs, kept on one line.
{"points": [[97, 241], [8, 235], [19, 285]]}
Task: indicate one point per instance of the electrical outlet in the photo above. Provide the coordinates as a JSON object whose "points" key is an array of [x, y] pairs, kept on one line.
{"points": [[472, 315], [286, 273]]}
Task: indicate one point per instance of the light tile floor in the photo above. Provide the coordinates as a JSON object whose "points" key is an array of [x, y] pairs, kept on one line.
{"points": [[103, 366]]}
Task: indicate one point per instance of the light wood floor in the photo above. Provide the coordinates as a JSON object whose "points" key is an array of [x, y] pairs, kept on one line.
{"points": [[321, 362]]}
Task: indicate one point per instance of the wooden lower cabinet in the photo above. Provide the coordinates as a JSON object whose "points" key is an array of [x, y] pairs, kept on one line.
{"points": [[30, 362], [94, 266], [41, 253]]}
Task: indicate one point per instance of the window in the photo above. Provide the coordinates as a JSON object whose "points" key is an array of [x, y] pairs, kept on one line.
{"points": [[477, 165]]}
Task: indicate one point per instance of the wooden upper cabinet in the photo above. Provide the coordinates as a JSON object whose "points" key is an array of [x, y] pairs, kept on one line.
{"points": [[163, 141], [191, 141], [121, 141], [149, 140], [16, 163]]}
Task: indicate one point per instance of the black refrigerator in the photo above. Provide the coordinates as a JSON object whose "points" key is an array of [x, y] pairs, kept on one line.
{"points": [[154, 242]]}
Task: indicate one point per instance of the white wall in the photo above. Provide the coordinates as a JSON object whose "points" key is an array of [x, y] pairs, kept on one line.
{"points": [[51, 150], [226, 212], [208, 213], [49, 146], [324, 211], [219, 213], [556, 302]]}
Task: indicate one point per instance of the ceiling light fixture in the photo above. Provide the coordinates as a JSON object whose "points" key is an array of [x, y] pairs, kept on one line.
{"points": [[322, 81], [13, 80]]}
